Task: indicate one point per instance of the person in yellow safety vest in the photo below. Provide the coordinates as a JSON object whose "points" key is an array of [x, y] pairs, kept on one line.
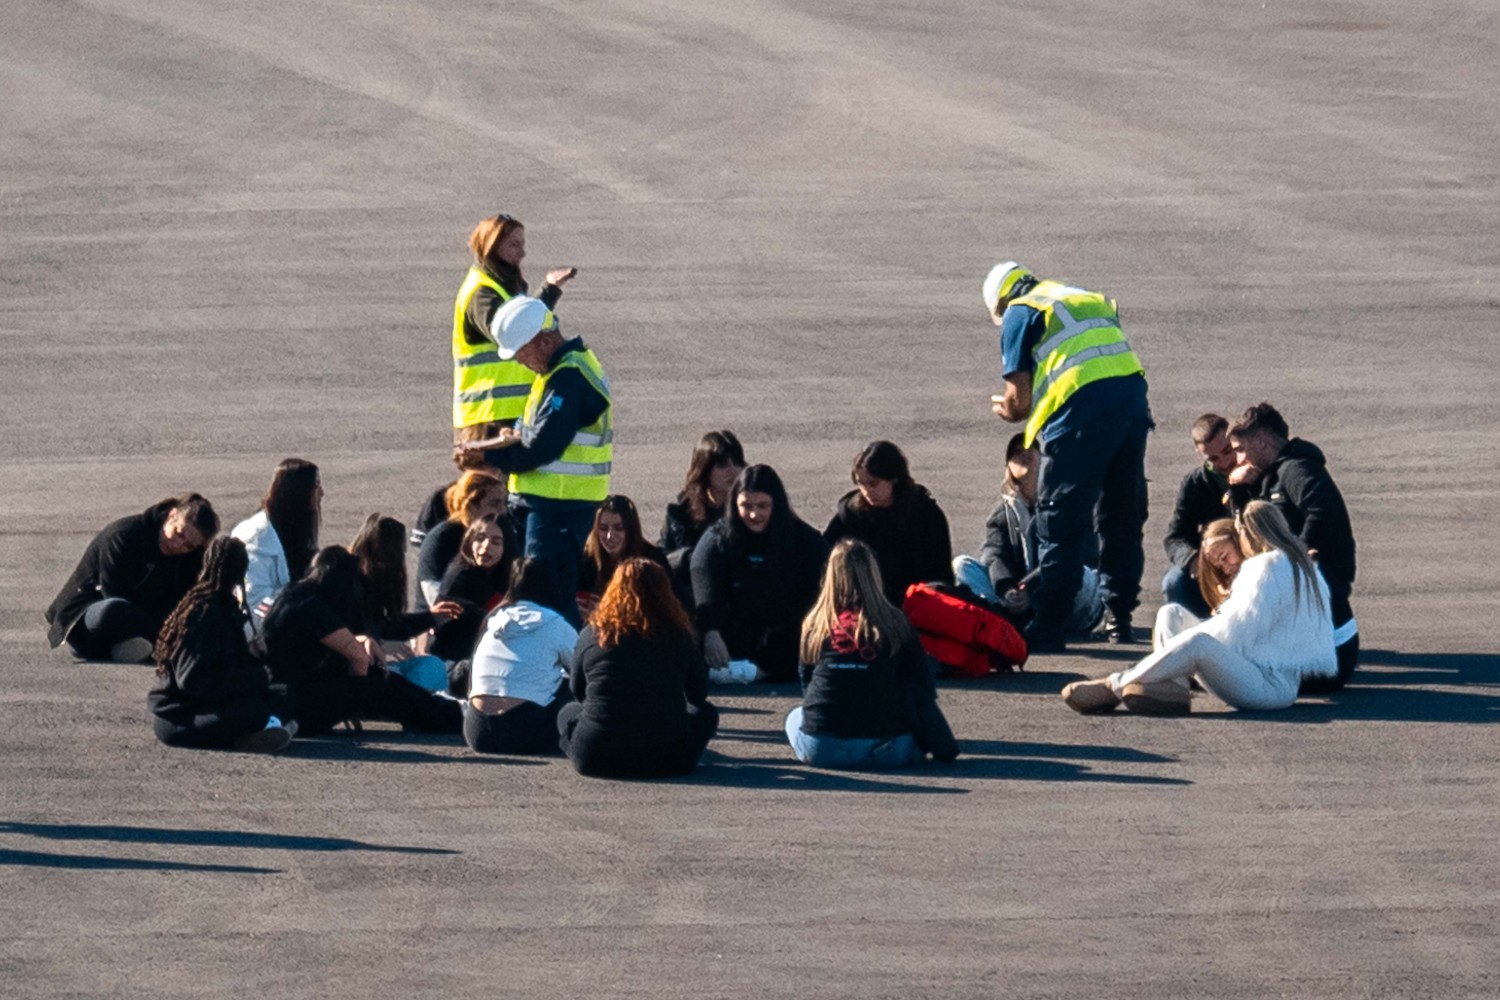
{"points": [[490, 392], [1074, 381], [560, 455]]}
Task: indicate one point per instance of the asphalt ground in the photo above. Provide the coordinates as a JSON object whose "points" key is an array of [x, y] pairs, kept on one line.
{"points": [[232, 232]]}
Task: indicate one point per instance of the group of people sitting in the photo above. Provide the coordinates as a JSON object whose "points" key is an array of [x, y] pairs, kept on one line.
{"points": [[265, 633]]}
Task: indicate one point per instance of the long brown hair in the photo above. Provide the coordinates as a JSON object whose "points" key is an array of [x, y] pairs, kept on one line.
{"points": [[288, 504], [483, 240], [224, 564], [852, 583], [635, 542], [1213, 582], [380, 548], [1262, 528], [715, 450], [639, 602]]}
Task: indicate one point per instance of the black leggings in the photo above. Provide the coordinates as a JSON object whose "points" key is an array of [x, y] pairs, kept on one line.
{"points": [[218, 726], [525, 729], [107, 622], [612, 753], [325, 699]]}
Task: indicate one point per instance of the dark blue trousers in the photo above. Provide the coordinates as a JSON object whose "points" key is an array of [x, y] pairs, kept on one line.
{"points": [[1092, 480]]}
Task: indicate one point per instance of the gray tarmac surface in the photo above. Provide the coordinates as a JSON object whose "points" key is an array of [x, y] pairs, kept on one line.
{"points": [[232, 232]]}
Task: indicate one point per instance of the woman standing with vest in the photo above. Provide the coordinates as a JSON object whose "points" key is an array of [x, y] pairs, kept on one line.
{"points": [[488, 392]]}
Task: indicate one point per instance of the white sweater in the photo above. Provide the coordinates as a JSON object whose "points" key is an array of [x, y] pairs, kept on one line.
{"points": [[268, 575], [525, 651], [1268, 625]]}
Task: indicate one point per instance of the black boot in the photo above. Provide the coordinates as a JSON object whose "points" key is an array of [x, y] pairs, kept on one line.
{"points": [[1117, 629]]}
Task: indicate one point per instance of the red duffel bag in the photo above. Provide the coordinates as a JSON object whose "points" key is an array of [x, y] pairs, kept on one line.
{"points": [[965, 637]]}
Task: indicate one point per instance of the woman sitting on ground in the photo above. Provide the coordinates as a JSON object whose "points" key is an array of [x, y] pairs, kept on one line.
{"points": [[131, 577], [519, 680], [755, 575], [1009, 554], [210, 693], [897, 519], [1272, 631], [380, 548], [868, 697], [282, 537], [641, 685], [616, 536], [478, 493], [476, 581], [314, 645], [717, 462], [1219, 560]]}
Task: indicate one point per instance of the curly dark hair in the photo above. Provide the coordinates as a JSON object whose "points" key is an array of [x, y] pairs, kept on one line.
{"points": [[224, 564]]}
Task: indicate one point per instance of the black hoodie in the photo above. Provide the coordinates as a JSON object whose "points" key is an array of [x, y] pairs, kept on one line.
{"points": [[1299, 485]]}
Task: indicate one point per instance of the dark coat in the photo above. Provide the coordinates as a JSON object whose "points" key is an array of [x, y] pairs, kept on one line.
{"points": [[910, 538], [1200, 501], [125, 560], [1299, 485], [213, 667], [746, 584], [856, 693], [680, 534]]}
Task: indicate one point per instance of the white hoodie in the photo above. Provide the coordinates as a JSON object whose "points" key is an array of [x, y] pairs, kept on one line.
{"points": [[525, 651], [268, 575]]}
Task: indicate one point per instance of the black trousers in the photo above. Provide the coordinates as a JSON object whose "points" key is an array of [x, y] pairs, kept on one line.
{"points": [[644, 753], [324, 699], [528, 729], [218, 726], [107, 622]]}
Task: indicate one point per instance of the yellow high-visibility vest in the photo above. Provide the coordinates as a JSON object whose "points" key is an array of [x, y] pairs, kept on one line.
{"points": [[582, 471], [1083, 343], [485, 388]]}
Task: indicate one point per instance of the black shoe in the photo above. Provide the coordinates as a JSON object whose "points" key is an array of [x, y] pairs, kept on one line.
{"points": [[1044, 640], [1117, 630]]}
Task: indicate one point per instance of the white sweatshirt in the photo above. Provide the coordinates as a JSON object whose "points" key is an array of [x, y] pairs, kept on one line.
{"points": [[268, 574], [1266, 623], [525, 651]]}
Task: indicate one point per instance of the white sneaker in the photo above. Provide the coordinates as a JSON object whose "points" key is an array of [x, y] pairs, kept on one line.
{"points": [[135, 650]]}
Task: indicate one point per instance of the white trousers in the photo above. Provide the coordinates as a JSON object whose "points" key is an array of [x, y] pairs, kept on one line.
{"points": [[1220, 669]]}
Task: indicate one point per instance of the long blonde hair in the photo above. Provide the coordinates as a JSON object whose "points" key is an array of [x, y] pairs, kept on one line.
{"points": [[1263, 528], [1213, 582], [852, 583]]}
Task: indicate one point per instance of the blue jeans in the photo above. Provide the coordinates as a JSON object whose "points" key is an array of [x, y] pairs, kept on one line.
{"points": [[1092, 478], [1179, 588], [555, 533], [849, 754]]}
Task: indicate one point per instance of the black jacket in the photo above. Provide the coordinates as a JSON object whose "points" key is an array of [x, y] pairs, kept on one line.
{"points": [[1200, 500], [855, 693], [125, 560], [680, 534], [748, 584], [213, 666], [910, 539], [1299, 485]]}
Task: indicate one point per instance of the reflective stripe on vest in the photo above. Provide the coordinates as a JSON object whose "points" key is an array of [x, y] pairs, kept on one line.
{"points": [[1082, 343], [485, 388], [582, 471]]}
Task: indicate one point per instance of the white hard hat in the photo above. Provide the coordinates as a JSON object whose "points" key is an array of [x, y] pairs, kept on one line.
{"points": [[518, 322], [1000, 282]]}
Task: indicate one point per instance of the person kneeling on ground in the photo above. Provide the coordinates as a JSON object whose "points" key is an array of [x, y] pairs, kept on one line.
{"points": [[132, 575], [1201, 499], [519, 679], [209, 692], [868, 697], [1010, 556], [755, 575], [641, 685], [1271, 632], [335, 673], [897, 518]]}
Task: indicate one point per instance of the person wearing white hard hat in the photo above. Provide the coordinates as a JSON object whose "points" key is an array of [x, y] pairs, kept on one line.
{"points": [[560, 455], [1073, 380]]}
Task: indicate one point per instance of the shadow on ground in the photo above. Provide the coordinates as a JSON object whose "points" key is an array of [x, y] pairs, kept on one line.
{"points": [[41, 859], [203, 838]]}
